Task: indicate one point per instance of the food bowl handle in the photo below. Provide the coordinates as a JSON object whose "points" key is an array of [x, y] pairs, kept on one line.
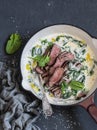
{"points": [[89, 105]]}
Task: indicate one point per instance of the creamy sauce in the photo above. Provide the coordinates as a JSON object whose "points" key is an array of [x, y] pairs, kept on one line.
{"points": [[75, 45]]}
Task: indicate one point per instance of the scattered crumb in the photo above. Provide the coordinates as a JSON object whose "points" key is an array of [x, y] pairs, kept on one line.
{"points": [[45, 22], [49, 4], [58, 120], [12, 19]]}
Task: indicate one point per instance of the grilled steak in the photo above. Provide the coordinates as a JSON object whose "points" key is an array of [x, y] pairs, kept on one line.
{"points": [[54, 53], [56, 76], [52, 73], [39, 70], [61, 59]]}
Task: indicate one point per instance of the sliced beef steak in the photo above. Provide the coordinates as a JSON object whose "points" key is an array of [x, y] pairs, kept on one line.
{"points": [[55, 71], [61, 59], [39, 70], [54, 53], [56, 76], [45, 74], [45, 79], [58, 93], [56, 90]]}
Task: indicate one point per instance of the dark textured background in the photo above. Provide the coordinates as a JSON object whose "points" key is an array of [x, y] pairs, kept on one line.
{"points": [[29, 16]]}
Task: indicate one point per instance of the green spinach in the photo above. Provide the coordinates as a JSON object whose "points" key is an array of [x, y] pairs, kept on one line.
{"points": [[13, 44]]}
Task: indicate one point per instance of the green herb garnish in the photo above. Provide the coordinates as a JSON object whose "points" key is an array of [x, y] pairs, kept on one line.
{"points": [[13, 43], [41, 60]]}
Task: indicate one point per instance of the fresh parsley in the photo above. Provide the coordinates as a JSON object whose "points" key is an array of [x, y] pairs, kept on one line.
{"points": [[41, 60]]}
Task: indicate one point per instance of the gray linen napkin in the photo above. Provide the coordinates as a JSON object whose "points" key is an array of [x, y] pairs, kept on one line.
{"points": [[17, 112]]}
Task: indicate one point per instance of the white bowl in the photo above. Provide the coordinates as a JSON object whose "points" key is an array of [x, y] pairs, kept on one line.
{"points": [[45, 32]]}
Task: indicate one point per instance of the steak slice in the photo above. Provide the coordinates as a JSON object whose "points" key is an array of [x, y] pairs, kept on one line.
{"points": [[45, 79], [56, 76], [54, 53], [39, 70], [61, 59], [46, 68], [56, 90], [45, 76], [58, 93]]}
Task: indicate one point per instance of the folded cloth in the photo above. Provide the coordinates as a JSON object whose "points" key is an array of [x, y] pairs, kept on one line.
{"points": [[17, 112]]}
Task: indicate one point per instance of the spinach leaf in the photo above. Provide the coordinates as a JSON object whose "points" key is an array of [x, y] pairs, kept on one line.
{"points": [[82, 59], [65, 92], [67, 48], [68, 37], [82, 79], [63, 87], [92, 70], [76, 74], [83, 51], [44, 41], [36, 51], [78, 56], [58, 37], [13, 44], [76, 85], [79, 43], [67, 95], [95, 62], [50, 44], [39, 51], [64, 43], [33, 51]]}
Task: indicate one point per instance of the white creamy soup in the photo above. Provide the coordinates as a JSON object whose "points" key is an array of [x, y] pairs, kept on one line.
{"points": [[79, 66]]}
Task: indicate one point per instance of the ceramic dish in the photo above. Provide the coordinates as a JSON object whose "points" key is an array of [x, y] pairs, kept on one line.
{"points": [[88, 101], [27, 50]]}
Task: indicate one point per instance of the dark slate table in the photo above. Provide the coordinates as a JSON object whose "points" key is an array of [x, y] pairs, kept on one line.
{"points": [[29, 16]]}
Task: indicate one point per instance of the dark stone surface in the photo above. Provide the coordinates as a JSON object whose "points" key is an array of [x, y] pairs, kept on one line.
{"points": [[29, 16]]}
